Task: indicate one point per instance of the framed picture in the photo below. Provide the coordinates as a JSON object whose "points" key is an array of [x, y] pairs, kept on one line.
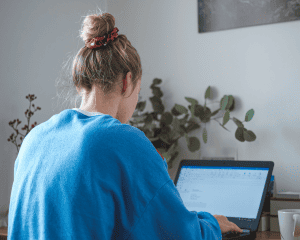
{"points": [[218, 15]]}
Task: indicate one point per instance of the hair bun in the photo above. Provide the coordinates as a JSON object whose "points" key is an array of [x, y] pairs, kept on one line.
{"points": [[97, 26]]}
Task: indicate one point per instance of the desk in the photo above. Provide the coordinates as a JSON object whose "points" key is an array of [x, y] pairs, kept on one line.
{"points": [[259, 235], [267, 235]]}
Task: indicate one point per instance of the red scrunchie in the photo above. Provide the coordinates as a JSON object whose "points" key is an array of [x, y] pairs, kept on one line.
{"points": [[101, 40]]}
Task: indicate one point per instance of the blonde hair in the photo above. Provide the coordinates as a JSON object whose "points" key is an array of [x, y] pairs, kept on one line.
{"points": [[104, 67]]}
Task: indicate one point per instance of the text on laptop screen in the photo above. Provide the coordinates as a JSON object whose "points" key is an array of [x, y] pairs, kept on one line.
{"points": [[229, 191]]}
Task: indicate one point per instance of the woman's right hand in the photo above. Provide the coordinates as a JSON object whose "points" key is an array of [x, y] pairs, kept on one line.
{"points": [[225, 225]]}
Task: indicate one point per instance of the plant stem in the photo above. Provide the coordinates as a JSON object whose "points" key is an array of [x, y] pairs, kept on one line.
{"points": [[28, 116], [222, 117], [215, 120], [15, 142], [18, 132]]}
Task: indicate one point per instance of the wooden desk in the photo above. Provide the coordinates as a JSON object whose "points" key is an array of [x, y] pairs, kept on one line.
{"points": [[259, 235], [267, 235]]}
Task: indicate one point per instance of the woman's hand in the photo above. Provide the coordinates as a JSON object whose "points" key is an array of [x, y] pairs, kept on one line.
{"points": [[225, 225]]}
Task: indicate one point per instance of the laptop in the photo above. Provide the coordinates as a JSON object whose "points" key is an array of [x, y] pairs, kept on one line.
{"points": [[235, 189]]}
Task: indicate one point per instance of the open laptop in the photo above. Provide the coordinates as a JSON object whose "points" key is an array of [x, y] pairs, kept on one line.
{"points": [[235, 189]]}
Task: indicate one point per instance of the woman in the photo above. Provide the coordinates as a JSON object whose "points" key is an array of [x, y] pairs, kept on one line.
{"points": [[86, 174]]}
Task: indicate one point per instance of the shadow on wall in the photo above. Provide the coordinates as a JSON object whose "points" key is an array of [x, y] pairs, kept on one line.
{"points": [[268, 138], [291, 137]]}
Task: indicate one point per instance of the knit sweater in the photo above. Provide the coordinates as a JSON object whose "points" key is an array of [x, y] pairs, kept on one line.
{"points": [[88, 176]]}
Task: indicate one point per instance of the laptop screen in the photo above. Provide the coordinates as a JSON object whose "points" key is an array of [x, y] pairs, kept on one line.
{"points": [[229, 191]]}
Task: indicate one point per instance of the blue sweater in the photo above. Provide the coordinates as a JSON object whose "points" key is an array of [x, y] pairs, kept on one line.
{"points": [[83, 176]]}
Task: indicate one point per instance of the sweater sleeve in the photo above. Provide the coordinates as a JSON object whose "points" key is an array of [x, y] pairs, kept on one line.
{"points": [[166, 217]]}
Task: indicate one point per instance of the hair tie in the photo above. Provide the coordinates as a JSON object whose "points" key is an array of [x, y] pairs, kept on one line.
{"points": [[99, 41]]}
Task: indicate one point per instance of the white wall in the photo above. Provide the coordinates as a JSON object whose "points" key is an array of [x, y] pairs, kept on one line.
{"points": [[257, 65]]}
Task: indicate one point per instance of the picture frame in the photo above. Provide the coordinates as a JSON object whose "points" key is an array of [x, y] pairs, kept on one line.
{"points": [[219, 15]]}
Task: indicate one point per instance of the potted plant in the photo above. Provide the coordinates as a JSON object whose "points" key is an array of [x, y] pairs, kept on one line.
{"points": [[164, 128], [28, 115]]}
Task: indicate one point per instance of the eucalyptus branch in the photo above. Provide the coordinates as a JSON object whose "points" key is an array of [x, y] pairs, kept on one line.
{"points": [[222, 117], [162, 135]]}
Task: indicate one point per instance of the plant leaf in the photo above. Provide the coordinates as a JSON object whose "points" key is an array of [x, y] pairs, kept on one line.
{"points": [[167, 156], [199, 110], [192, 126], [238, 122], [193, 144], [192, 109], [249, 115], [181, 109], [166, 130], [157, 81], [149, 119], [167, 118], [205, 115], [226, 117], [230, 102], [239, 134], [157, 105], [224, 102], [249, 136], [192, 100], [141, 106], [175, 112], [208, 93], [176, 125], [139, 119], [157, 92]]}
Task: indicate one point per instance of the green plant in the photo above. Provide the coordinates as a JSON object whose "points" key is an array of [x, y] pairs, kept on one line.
{"points": [[28, 115], [164, 129]]}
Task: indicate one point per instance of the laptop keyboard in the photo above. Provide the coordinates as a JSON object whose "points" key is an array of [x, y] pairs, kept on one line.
{"points": [[235, 234], [231, 234]]}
